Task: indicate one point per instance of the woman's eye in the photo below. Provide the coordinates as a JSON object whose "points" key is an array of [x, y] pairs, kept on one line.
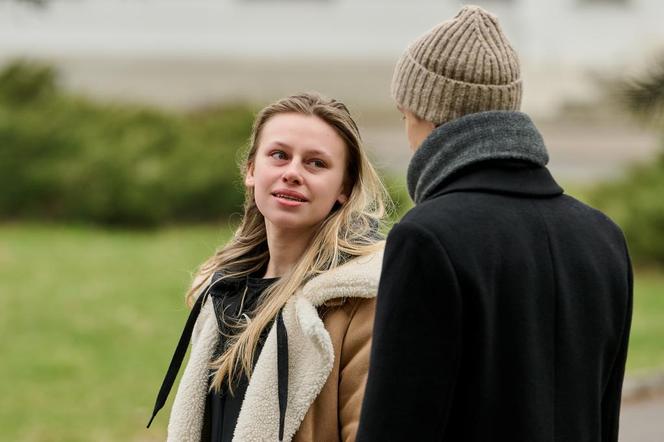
{"points": [[278, 155], [318, 163]]}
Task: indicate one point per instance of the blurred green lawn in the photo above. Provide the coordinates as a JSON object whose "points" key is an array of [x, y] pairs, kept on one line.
{"points": [[89, 319]]}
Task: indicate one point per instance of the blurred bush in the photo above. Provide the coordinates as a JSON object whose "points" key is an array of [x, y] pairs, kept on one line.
{"points": [[66, 158], [636, 202], [400, 200]]}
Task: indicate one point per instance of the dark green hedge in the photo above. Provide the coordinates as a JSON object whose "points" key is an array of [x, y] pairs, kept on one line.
{"points": [[67, 158], [636, 204]]}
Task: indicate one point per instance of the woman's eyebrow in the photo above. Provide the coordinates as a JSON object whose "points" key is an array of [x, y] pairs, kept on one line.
{"points": [[280, 144], [318, 153], [307, 152], [313, 151]]}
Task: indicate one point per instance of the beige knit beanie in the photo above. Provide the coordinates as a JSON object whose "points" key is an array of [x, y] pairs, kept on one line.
{"points": [[462, 66]]}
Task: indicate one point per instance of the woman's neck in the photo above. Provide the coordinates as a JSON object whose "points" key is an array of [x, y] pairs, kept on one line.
{"points": [[286, 247]]}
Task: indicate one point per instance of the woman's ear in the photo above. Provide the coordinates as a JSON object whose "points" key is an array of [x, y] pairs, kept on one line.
{"points": [[345, 191], [249, 178]]}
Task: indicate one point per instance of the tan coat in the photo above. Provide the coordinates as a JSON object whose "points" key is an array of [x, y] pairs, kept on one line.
{"points": [[329, 324], [335, 414]]}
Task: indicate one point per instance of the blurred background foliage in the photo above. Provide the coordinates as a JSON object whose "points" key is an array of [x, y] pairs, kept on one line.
{"points": [[636, 200], [67, 158]]}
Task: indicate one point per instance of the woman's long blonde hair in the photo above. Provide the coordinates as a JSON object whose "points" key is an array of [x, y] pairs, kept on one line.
{"points": [[349, 230]]}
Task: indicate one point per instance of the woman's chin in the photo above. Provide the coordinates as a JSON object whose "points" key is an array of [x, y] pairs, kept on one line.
{"points": [[291, 222], [287, 222]]}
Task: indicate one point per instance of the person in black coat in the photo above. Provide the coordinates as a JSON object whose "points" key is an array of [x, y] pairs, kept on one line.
{"points": [[504, 305]]}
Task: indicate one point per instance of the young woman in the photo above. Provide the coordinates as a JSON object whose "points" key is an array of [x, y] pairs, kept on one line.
{"points": [[282, 315]]}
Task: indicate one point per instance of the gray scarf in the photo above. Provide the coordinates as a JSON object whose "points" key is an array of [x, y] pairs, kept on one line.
{"points": [[470, 139]]}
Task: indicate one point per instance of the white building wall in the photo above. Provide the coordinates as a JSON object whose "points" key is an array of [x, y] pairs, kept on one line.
{"points": [[559, 42]]}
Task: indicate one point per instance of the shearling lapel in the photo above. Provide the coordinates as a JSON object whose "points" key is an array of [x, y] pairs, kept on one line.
{"points": [[186, 420], [310, 360], [310, 352], [357, 278]]}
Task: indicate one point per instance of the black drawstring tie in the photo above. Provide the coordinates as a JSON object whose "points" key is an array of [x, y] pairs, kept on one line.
{"points": [[282, 371], [180, 351]]}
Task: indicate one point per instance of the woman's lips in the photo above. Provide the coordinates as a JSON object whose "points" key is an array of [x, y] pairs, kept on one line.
{"points": [[288, 203], [289, 199]]}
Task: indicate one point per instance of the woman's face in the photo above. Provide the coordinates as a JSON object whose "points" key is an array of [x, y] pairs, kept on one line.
{"points": [[298, 171]]}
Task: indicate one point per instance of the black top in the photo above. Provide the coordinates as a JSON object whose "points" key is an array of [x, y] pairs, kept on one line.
{"points": [[222, 409]]}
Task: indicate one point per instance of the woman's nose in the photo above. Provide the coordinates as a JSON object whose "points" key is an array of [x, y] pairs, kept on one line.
{"points": [[292, 175]]}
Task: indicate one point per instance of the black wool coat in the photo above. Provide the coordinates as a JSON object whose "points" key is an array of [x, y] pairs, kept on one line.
{"points": [[503, 313]]}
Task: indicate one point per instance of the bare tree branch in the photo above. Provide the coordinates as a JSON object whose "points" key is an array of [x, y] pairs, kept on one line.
{"points": [[644, 95]]}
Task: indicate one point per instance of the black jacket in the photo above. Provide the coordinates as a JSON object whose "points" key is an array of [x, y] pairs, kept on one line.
{"points": [[503, 313]]}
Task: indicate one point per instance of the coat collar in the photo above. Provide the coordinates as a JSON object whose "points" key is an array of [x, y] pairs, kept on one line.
{"points": [[473, 138], [502, 176], [357, 278]]}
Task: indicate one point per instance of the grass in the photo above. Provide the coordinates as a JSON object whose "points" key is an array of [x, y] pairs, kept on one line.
{"points": [[646, 344], [89, 319]]}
